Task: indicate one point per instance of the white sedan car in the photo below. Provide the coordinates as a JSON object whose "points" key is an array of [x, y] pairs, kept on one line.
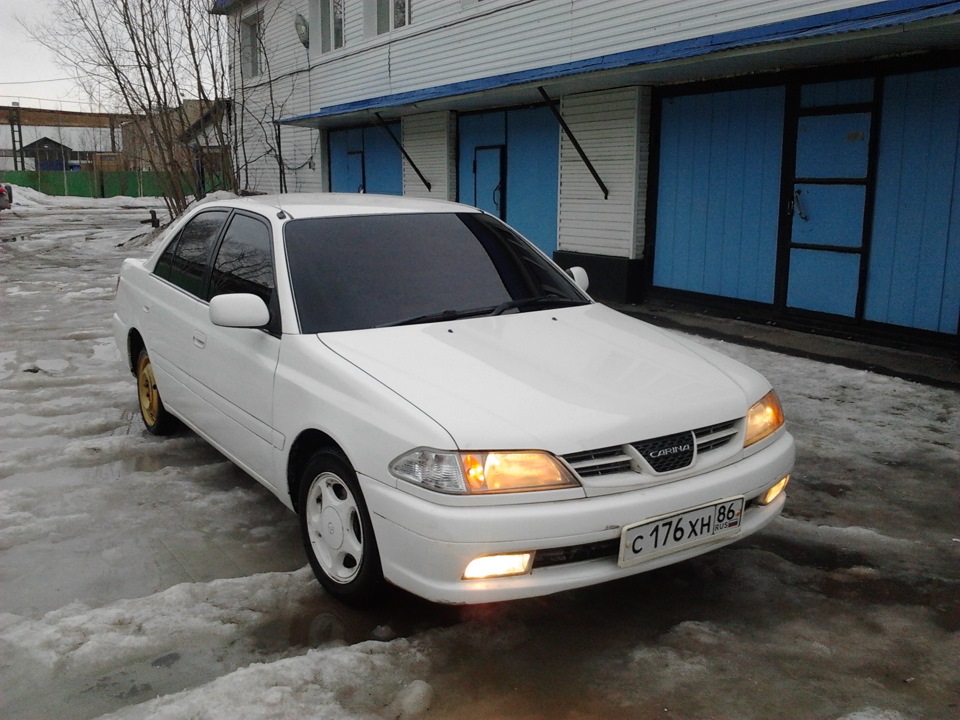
{"points": [[444, 408]]}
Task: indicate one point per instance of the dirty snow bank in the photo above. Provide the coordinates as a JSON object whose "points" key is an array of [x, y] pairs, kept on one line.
{"points": [[25, 197]]}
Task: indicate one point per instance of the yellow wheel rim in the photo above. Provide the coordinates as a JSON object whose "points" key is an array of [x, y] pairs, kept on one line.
{"points": [[149, 396]]}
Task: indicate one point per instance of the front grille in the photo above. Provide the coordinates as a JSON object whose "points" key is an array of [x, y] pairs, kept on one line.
{"points": [[669, 452], [685, 447], [604, 461], [715, 436]]}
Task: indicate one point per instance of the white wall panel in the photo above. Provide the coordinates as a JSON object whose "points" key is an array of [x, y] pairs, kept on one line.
{"points": [[605, 124], [429, 140], [449, 41]]}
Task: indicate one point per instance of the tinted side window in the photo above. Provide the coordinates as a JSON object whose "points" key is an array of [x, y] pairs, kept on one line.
{"points": [[244, 262], [166, 259], [189, 261]]}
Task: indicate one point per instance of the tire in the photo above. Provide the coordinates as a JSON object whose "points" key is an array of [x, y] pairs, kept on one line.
{"points": [[336, 530], [155, 417]]}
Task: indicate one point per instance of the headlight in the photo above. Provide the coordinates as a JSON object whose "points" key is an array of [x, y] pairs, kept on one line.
{"points": [[482, 472], [763, 419]]}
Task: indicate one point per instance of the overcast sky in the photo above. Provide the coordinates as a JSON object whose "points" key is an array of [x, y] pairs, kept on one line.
{"points": [[27, 68]]}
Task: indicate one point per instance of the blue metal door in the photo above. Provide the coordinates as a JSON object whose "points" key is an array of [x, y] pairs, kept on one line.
{"points": [[489, 189], [718, 193], [826, 243], [914, 268], [366, 160], [509, 166], [354, 181]]}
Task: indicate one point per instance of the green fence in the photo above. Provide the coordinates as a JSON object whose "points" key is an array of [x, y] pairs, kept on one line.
{"points": [[94, 184]]}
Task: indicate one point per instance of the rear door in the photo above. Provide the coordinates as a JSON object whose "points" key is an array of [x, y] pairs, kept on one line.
{"points": [[174, 317]]}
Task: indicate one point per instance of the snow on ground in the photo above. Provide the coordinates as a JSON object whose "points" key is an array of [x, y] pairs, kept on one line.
{"points": [[145, 577]]}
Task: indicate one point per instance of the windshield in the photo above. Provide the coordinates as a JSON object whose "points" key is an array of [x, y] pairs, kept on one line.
{"points": [[357, 272]]}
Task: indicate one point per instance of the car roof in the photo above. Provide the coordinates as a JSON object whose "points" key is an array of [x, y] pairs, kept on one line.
{"points": [[307, 205]]}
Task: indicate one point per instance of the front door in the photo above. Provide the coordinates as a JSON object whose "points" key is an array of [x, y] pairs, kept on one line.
{"points": [[355, 181], [509, 166], [828, 207], [489, 190]]}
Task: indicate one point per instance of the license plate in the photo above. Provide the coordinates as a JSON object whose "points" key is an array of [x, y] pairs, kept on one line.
{"points": [[670, 533]]}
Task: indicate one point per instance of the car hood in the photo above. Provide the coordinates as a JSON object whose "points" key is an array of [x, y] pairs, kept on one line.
{"points": [[562, 380]]}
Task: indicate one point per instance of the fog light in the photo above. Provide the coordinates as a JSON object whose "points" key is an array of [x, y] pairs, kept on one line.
{"points": [[491, 566], [770, 495]]}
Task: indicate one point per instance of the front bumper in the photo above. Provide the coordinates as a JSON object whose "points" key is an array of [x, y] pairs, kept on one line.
{"points": [[424, 547]]}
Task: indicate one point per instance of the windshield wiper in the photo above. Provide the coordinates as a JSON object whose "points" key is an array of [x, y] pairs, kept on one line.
{"points": [[544, 302], [440, 316]]}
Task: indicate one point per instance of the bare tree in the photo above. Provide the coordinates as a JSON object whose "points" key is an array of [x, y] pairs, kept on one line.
{"points": [[163, 60]]}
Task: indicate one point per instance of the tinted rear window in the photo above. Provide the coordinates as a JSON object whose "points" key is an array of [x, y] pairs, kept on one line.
{"points": [[359, 272]]}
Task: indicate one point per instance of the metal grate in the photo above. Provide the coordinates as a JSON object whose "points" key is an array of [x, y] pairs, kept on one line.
{"points": [[715, 436], [577, 553], [604, 461]]}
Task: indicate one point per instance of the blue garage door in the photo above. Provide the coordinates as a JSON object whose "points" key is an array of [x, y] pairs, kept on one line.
{"points": [[509, 166], [719, 193], [914, 268], [366, 160], [830, 189]]}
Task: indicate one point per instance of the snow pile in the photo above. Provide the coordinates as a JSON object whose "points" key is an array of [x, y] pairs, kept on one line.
{"points": [[210, 197], [25, 197], [874, 714], [199, 635], [367, 680]]}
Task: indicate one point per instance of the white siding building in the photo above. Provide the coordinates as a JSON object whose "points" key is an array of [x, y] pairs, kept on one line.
{"points": [[793, 159]]}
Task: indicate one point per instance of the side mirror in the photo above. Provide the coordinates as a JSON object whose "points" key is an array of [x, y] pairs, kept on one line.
{"points": [[579, 276], [239, 310]]}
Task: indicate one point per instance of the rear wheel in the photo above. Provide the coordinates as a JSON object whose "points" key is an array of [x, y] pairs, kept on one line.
{"points": [[155, 417], [336, 529]]}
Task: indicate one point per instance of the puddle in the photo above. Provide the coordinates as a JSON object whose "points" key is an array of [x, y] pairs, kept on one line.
{"points": [[323, 621]]}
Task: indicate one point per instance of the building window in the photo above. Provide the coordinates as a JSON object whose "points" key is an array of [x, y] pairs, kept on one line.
{"points": [[392, 14], [251, 49], [331, 25]]}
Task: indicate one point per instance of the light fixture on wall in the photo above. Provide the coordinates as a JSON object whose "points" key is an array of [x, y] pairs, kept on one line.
{"points": [[303, 30]]}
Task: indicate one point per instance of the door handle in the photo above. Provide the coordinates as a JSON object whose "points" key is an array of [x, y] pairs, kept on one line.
{"points": [[797, 206], [199, 339]]}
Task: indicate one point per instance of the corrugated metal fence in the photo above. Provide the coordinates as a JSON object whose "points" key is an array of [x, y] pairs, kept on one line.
{"points": [[96, 184]]}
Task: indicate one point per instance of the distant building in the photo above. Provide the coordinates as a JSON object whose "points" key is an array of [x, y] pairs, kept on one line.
{"points": [[37, 139], [796, 161], [196, 140]]}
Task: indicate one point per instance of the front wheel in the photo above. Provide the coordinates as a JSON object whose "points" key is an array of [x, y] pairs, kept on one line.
{"points": [[155, 417], [336, 529]]}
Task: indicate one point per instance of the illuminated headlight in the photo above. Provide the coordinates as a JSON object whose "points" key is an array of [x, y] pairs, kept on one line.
{"points": [[491, 566], [774, 492], [467, 473], [763, 419]]}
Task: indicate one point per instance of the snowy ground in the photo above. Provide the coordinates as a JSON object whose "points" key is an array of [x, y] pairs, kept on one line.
{"points": [[148, 578]]}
